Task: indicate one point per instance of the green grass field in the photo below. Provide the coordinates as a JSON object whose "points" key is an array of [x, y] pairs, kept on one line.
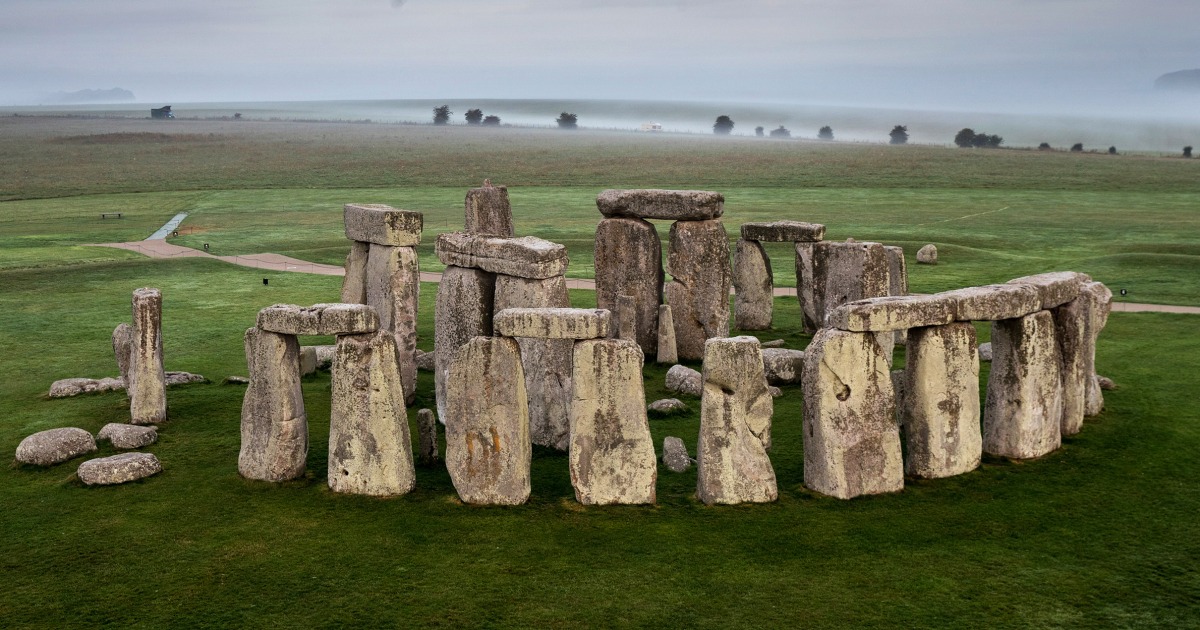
{"points": [[1102, 533]]}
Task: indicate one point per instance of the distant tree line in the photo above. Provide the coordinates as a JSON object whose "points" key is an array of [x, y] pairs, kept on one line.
{"points": [[968, 138]]}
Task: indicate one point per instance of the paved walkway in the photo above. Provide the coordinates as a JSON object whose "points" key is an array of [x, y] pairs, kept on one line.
{"points": [[276, 262]]}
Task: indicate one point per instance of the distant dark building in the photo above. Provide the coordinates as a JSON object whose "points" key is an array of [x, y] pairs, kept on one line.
{"points": [[162, 112]]}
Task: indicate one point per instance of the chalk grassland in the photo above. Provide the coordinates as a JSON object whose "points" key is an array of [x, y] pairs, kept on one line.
{"points": [[1099, 534]]}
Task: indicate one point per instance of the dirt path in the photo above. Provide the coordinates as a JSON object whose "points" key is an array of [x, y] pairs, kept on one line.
{"points": [[277, 262]]}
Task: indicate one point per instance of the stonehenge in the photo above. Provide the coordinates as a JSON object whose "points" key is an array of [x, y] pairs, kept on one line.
{"points": [[753, 281]]}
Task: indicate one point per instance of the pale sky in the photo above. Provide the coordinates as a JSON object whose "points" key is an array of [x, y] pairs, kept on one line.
{"points": [[951, 53]]}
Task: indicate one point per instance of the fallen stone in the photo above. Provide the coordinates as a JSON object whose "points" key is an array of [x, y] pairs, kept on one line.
{"points": [[117, 469], [524, 257], [318, 319], [382, 224], [1023, 410], [665, 407], [753, 286], [667, 349], [427, 437], [675, 205], [774, 343], [775, 392], [783, 366], [308, 360], [488, 450], [735, 426], [985, 351], [128, 435], [939, 411], [324, 356], [890, 313], [851, 439], [147, 383], [426, 361], [274, 427], [612, 457], [235, 380], [354, 283], [54, 446], [783, 232], [552, 323], [927, 255], [847, 272], [122, 342], [993, 302], [488, 212], [394, 291], [183, 378], [698, 261], [67, 387], [685, 380], [1056, 288], [628, 261], [675, 455], [463, 310], [1105, 383]]}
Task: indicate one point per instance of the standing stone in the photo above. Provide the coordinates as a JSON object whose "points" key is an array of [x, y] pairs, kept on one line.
{"points": [[735, 425], [274, 424], [626, 315], [1072, 333], [897, 279], [488, 451], [463, 310], [667, 352], [939, 411], [804, 286], [354, 283], [393, 290], [1101, 304], [147, 384], [1023, 410], [753, 285], [847, 272], [546, 362], [370, 451], [851, 440], [628, 261], [698, 261], [675, 455], [122, 343], [428, 440], [612, 453], [488, 211], [927, 255]]}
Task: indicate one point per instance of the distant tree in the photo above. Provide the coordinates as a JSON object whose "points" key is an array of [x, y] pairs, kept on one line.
{"points": [[781, 132], [965, 137], [1187, 151], [993, 141], [1045, 146], [474, 116], [723, 126], [1077, 147], [1112, 150], [758, 131], [491, 121], [825, 133], [567, 121], [441, 115], [899, 134]]}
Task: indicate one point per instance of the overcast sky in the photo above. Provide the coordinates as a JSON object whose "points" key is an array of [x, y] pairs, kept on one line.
{"points": [[950, 53]]}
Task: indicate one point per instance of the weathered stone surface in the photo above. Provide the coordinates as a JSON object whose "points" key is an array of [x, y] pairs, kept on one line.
{"points": [[488, 450], [1101, 304], [547, 362], [753, 285], [667, 351], [122, 343], [985, 351], [851, 439], [488, 212], [1023, 410], [147, 381], [698, 261], [54, 446], [394, 291], [1055, 288], [123, 468], [183, 378], [783, 232], [463, 311], [775, 392], [774, 343], [382, 224], [235, 380], [891, 313], [525, 257], [1105, 383], [993, 302], [685, 380], [553, 323], [128, 435], [676, 205], [897, 270], [1076, 353], [628, 261], [612, 457], [318, 319], [308, 360], [783, 366], [274, 423], [939, 411], [666, 407], [735, 425], [67, 387], [847, 272], [370, 451], [426, 361], [625, 318], [428, 439], [354, 283], [675, 455], [804, 286], [927, 255], [323, 355]]}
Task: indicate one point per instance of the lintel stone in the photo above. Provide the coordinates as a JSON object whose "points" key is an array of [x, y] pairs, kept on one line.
{"points": [[675, 205], [382, 224], [319, 319], [552, 323], [993, 302], [892, 313], [524, 257], [1055, 288], [783, 232]]}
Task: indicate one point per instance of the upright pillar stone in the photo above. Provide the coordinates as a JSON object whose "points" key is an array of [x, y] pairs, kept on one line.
{"points": [[1071, 331], [939, 412], [735, 425], [626, 316], [612, 453], [488, 212], [393, 289], [1101, 304], [698, 261], [847, 272], [628, 261], [428, 443], [147, 383], [488, 451], [1023, 410], [370, 449], [354, 283], [851, 440], [754, 287], [463, 310], [122, 343], [804, 286], [667, 353], [274, 423], [897, 280]]}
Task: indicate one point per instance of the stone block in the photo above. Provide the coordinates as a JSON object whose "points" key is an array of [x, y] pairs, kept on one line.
{"points": [[675, 455], [122, 343], [1101, 303], [698, 261], [667, 351], [428, 439], [54, 446], [993, 302], [1023, 409], [128, 435], [673, 205], [847, 272], [891, 313], [553, 323], [927, 255], [939, 412], [804, 286], [274, 424], [67, 387], [1055, 288], [524, 257], [147, 381], [117, 469], [394, 291], [628, 261], [783, 232], [318, 319], [1071, 331], [382, 224], [685, 380], [783, 366], [354, 283], [488, 212], [753, 285], [463, 310]]}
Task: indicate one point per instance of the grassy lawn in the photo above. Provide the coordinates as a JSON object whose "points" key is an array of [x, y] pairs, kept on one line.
{"points": [[1100, 533]]}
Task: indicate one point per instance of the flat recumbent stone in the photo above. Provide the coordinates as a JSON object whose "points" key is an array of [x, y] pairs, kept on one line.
{"points": [[382, 224], [674, 205], [319, 319], [54, 446], [123, 468], [524, 257]]}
